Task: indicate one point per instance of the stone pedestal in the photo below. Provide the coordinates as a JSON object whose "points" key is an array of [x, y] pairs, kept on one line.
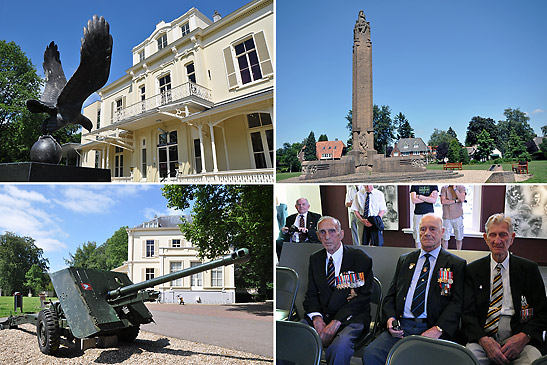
{"points": [[44, 172]]}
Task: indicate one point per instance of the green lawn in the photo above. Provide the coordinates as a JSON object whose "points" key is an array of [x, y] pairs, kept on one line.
{"points": [[30, 305], [285, 175], [538, 169]]}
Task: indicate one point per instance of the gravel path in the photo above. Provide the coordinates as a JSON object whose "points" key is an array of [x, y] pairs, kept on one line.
{"points": [[20, 346]]}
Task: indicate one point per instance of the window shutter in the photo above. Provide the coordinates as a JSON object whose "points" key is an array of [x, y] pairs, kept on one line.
{"points": [[112, 111], [143, 248], [123, 102], [230, 69], [263, 54], [156, 248], [143, 275]]}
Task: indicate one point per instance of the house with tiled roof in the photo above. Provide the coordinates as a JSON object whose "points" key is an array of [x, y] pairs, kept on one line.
{"points": [[329, 150], [410, 147]]}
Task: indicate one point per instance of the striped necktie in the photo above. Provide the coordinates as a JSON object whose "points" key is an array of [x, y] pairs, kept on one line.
{"points": [[301, 224], [418, 300], [330, 273], [494, 310], [367, 205]]}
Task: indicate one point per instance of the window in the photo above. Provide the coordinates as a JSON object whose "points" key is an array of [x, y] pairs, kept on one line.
{"points": [[162, 42], [261, 136], [216, 277], [197, 154], [149, 274], [142, 90], [165, 88], [176, 266], [168, 154], [143, 162], [247, 60], [98, 118], [149, 248], [185, 28], [175, 243], [141, 56], [196, 279], [118, 162], [191, 72], [119, 105], [97, 159]]}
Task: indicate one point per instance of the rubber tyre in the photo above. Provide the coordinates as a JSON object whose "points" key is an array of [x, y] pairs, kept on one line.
{"points": [[128, 334], [47, 330]]}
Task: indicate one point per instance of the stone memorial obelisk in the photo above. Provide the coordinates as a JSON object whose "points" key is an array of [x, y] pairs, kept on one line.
{"points": [[362, 127]]}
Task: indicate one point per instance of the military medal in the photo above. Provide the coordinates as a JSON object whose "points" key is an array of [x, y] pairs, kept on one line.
{"points": [[446, 279], [350, 280], [411, 266], [525, 311]]}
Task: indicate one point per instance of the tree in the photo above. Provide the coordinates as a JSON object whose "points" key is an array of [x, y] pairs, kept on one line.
{"points": [[287, 157], [515, 121], [310, 151], [516, 145], [543, 147], [485, 145], [476, 125], [89, 256], [225, 217], [452, 133], [454, 151], [116, 248], [349, 126], [442, 151], [438, 137], [404, 130], [322, 138], [17, 255], [383, 128], [464, 156], [36, 279], [544, 130]]}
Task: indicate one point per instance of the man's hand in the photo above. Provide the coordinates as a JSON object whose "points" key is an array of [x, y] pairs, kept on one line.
{"points": [[397, 334], [514, 345], [285, 229], [493, 350], [303, 229], [318, 324], [366, 222], [329, 332], [433, 332]]}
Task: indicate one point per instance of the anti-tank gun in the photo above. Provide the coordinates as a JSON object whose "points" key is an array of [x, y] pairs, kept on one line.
{"points": [[95, 303]]}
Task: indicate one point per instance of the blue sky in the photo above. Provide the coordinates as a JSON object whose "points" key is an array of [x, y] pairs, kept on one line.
{"points": [[438, 62], [61, 217], [34, 24]]}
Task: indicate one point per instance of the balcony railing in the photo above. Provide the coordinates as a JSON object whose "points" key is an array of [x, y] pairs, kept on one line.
{"points": [[262, 176], [164, 98]]}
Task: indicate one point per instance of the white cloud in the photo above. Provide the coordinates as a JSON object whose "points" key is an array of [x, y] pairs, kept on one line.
{"points": [[84, 200], [538, 111], [149, 213]]}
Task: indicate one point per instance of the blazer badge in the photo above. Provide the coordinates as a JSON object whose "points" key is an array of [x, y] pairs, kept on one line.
{"points": [[350, 279], [446, 279], [526, 313]]}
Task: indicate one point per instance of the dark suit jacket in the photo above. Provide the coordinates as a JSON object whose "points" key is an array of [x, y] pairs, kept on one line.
{"points": [[311, 224], [333, 303], [525, 280], [442, 311]]}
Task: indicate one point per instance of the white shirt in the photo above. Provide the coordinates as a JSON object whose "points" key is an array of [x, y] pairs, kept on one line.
{"points": [[417, 271], [337, 257], [376, 203], [296, 236], [507, 308]]}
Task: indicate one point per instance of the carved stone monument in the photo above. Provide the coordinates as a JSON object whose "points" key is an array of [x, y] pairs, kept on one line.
{"points": [[363, 158]]}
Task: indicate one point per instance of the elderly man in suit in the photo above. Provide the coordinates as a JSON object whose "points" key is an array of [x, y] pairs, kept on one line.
{"points": [[505, 310], [337, 302], [304, 224], [426, 294]]}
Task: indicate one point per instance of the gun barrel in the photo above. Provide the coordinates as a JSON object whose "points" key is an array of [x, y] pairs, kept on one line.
{"points": [[239, 256]]}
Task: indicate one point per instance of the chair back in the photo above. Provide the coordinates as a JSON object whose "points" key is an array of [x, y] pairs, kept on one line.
{"points": [[297, 342], [425, 350], [286, 286], [376, 314]]}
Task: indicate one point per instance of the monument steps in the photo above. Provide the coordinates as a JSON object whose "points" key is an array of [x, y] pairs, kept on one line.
{"points": [[383, 178]]}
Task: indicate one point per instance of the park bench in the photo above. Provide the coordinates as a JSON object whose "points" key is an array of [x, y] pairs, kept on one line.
{"points": [[520, 168], [453, 166]]}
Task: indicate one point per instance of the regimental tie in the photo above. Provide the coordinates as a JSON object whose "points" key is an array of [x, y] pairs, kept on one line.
{"points": [[367, 205], [418, 300], [301, 224], [494, 310], [330, 273]]}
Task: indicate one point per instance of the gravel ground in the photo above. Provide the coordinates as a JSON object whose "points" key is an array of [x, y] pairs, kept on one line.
{"points": [[20, 346], [474, 177]]}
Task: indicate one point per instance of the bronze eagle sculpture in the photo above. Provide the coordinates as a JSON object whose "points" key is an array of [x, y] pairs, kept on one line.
{"points": [[63, 101]]}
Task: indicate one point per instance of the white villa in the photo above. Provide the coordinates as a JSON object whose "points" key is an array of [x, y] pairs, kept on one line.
{"points": [[195, 106], [158, 247]]}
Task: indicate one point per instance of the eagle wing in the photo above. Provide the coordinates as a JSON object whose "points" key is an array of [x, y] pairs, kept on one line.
{"points": [[92, 74], [55, 77]]}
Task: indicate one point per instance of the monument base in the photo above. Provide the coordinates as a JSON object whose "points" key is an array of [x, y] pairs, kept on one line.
{"points": [[355, 162], [45, 172]]}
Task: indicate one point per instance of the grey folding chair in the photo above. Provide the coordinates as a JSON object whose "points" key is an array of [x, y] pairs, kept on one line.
{"points": [[297, 342], [376, 302], [425, 350], [286, 286]]}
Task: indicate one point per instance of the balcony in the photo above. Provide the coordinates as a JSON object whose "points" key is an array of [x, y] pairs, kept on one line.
{"points": [[258, 176], [189, 92]]}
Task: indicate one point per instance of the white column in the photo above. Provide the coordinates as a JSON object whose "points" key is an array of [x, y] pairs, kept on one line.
{"points": [[200, 127], [213, 148], [225, 149]]}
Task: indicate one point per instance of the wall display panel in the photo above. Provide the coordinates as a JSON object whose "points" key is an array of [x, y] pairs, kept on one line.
{"points": [[391, 217], [527, 206]]}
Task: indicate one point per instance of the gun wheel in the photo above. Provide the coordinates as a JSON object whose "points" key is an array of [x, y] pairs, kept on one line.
{"points": [[47, 329], [128, 334]]}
